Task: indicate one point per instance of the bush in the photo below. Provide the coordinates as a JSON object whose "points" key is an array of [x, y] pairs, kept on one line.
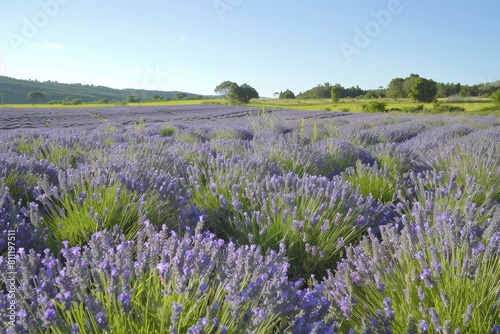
{"points": [[496, 97], [419, 108], [167, 131], [375, 106], [438, 106]]}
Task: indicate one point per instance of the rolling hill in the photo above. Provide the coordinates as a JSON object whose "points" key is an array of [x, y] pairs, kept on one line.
{"points": [[16, 90]]}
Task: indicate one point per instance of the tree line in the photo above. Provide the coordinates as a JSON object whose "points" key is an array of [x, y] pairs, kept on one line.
{"points": [[414, 86]]}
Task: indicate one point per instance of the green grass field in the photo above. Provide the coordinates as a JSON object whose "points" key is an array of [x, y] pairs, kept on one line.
{"points": [[471, 105]]}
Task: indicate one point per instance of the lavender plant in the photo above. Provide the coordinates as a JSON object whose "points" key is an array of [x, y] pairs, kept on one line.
{"points": [[439, 273], [177, 284], [314, 223], [313, 216]]}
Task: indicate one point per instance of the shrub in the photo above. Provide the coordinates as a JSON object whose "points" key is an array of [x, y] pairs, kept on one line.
{"points": [[376, 106], [167, 131], [439, 106], [418, 108], [496, 97]]}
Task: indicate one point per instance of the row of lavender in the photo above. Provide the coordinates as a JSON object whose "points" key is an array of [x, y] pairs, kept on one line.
{"points": [[363, 223]]}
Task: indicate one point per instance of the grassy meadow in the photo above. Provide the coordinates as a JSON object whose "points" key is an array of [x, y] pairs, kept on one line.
{"points": [[477, 106]]}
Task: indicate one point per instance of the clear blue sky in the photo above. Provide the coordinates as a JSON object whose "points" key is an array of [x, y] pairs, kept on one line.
{"points": [[271, 45]]}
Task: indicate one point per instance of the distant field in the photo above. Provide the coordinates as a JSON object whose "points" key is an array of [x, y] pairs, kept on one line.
{"points": [[471, 105], [89, 116], [100, 105]]}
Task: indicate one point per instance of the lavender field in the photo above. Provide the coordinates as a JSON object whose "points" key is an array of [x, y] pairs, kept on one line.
{"points": [[213, 219]]}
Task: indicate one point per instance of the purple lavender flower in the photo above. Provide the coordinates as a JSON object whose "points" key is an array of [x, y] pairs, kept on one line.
{"points": [[436, 321], [389, 311], [424, 326], [125, 299], [467, 317], [426, 276], [421, 293], [50, 315]]}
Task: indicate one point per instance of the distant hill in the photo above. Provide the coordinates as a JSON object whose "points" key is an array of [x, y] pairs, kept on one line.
{"points": [[16, 90]]}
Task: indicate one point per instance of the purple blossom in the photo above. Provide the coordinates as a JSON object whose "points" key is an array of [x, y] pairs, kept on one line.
{"points": [[424, 325]]}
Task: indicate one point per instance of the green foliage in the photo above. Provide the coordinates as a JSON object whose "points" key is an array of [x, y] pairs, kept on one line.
{"points": [[87, 208], [338, 224], [287, 94], [168, 131], [223, 88], [242, 94], [376, 106], [234, 93], [496, 97], [408, 83], [439, 107], [35, 97], [446, 296], [423, 90], [71, 101], [20, 185], [102, 101], [180, 96], [417, 108], [318, 92], [139, 127], [29, 145], [226, 134], [475, 166], [373, 181], [132, 99], [335, 92], [173, 305], [395, 88], [263, 121], [186, 137], [61, 156]]}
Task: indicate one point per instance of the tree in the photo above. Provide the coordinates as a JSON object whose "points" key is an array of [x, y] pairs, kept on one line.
{"points": [[131, 98], [156, 98], [465, 91], [287, 94], [496, 97], [335, 92], [395, 88], [375, 106], [423, 90], [1, 98], [35, 97], [408, 83], [245, 93], [318, 92], [235, 93], [224, 88], [180, 96]]}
